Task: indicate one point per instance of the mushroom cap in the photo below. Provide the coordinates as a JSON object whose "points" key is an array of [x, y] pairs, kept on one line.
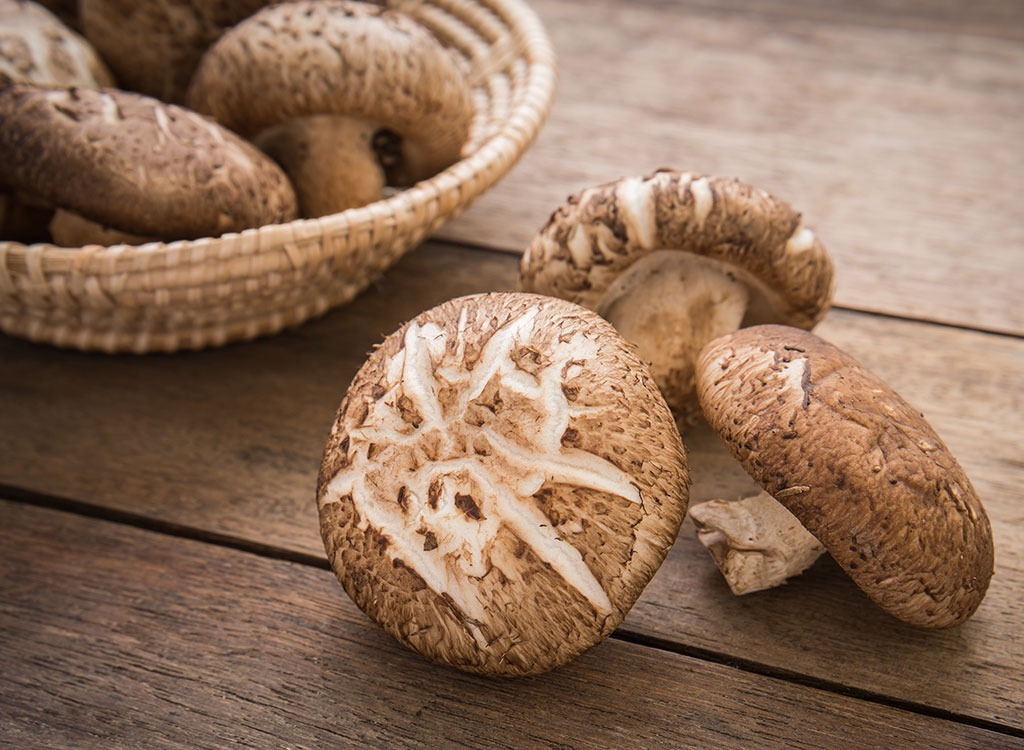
{"points": [[330, 160], [600, 232], [861, 469], [501, 482], [155, 46], [135, 164], [337, 57], [36, 47]]}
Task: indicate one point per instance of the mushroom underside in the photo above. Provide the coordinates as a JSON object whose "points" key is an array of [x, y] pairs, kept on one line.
{"points": [[670, 303]]}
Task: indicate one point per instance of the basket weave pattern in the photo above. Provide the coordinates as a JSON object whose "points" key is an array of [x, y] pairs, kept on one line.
{"points": [[192, 294]]}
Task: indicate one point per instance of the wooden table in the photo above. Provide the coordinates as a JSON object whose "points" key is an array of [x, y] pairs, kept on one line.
{"points": [[163, 582]]}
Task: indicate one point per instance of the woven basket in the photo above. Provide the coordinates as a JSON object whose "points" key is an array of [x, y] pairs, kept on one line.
{"points": [[198, 293]]}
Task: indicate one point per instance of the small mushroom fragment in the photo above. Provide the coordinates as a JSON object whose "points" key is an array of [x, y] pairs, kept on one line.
{"points": [[673, 260], [36, 47], [501, 482], [860, 468], [136, 165], [755, 541], [155, 45], [344, 58], [330, 161]]}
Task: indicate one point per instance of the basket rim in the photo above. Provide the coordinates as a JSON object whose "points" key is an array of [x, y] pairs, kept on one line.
{"points": [[427, 199]]}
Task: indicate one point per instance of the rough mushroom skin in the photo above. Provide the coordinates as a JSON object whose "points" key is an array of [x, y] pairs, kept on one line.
{"points": [[755, 541], [330, 161], [677, 259], [135, 164], [337, 57], [154, 46], [863, 471], [36, 47], [501, 482]]}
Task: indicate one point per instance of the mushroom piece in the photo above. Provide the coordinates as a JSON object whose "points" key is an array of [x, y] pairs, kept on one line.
{"points": [[755, 541], [134, 164], [344, 58], [36, 47], [861, 469], [673, 260], [155, 46], [501, 482], [330, 161]]}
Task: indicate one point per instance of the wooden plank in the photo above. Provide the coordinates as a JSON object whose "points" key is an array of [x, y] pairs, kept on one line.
{"points": [[986, 17], [902, 146], [229, 441], [117, 637]]}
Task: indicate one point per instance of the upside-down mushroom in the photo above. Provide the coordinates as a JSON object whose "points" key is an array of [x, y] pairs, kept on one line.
{"points": [[861, 469], [673, 260], [501, 482]]}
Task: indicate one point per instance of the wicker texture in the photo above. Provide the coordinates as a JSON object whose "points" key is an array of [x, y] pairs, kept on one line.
{"points": [[192, 294]]}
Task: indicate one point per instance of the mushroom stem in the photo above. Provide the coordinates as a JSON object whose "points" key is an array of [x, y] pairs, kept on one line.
{"points": [[670, 304], [756, 542], [330, 160]]}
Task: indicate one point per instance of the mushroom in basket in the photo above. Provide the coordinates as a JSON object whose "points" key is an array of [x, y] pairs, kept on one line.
{"points": [[365, 93], [114, 160], [154, 45], [36, 47]]}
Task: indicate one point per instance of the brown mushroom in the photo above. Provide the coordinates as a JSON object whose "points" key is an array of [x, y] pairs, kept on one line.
{"points": [[36, 47], [501, 482], [330, 161], [135, 164], [862, 470], [673, 260], [345, 58], [154, 46]]}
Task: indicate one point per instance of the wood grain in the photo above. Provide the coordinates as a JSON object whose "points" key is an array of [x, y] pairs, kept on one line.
{"points": [[117, 637], [229, 441], [895, 127]]}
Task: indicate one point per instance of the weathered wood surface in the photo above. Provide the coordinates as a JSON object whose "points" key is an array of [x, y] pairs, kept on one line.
{"points": [[117, 637], [229, 441], [895, 127]]}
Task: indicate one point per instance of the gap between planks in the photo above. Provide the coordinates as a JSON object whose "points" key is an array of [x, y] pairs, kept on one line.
{"points": [[477, 247], [271, 552]]}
